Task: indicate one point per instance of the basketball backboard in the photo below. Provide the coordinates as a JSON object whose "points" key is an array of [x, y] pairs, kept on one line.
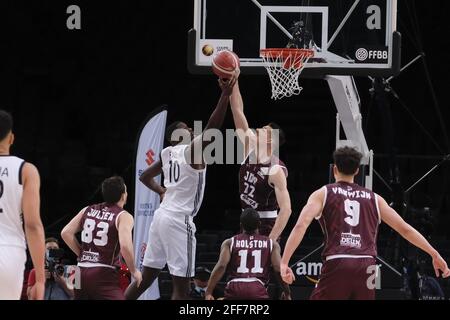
{"points": [[350, 37]]}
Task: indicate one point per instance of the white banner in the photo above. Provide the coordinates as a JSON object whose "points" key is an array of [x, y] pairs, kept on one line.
{"points": [[150, 144]]}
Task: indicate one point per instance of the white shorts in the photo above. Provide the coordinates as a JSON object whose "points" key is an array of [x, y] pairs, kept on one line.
{"points": [[12, 267], [171, 240]]}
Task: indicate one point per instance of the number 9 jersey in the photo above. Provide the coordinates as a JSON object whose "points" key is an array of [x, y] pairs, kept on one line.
{"points": [[185, 185], [349, 220], [99, 236]]}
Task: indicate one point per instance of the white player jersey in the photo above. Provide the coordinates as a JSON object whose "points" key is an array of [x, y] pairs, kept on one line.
{"points": [[185, 185], [11, 226]]}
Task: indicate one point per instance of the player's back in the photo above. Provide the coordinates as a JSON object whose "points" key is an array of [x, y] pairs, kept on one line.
{"points": [[250, 257], [100, 237], [184, 185], [11, 189], [349, 220]]}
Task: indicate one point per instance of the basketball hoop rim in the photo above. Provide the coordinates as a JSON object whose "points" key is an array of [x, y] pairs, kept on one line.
{"points": [[286, 52]]}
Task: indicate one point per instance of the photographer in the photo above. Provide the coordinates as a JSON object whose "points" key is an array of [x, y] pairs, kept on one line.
{"points": [[55, 286]]}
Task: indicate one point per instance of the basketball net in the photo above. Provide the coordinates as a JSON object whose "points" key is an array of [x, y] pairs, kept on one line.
{"points": [[284, 66]]}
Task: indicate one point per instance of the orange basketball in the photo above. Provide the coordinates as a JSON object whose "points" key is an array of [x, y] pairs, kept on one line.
{"points": [[225, 63]]}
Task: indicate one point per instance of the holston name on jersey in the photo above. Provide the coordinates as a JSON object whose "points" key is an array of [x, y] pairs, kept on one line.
{"points": [[250, 244]]}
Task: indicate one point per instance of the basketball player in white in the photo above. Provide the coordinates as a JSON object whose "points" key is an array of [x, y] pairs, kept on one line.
{"points": [[19, 193], [172, 233]]}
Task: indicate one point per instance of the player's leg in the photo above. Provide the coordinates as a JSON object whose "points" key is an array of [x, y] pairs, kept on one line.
{"points": [[181, 287], [149, 275], [181, 245], [155, 256], [12, 265]]}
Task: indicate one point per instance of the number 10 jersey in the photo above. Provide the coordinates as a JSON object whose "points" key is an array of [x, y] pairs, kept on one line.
{"points": [[185, 185]]}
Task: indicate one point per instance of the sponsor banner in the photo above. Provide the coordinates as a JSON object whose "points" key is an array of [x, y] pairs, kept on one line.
{"points": [[151, 141]]}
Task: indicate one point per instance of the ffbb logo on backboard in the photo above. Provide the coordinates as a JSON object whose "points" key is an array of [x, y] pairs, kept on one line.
{"points": [[365, 54]]}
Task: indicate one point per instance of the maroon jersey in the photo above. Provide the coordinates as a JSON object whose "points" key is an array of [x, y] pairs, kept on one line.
{"points": [[250, 257], [254, 188], [100, 237], [349, 220]]}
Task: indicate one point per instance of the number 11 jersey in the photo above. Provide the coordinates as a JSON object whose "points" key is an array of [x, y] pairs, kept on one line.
{"points": [[185, 185]]}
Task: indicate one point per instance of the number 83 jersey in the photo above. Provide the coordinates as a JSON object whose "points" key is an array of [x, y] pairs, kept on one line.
{"points": [[99, 236], [185, 185]]}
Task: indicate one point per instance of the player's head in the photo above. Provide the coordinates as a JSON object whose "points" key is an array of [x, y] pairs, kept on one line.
{"points": [[51, 243], [114, 190], [346, 161], [250, 220], [178, 130], [270, 137], [6, 126]]}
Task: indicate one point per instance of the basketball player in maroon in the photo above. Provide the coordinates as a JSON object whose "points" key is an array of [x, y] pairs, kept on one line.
{"points": [[247, 258], [349, 216], [106, 232], [262, 176]]}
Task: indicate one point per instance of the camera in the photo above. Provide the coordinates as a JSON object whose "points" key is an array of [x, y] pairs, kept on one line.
{"points": [[53, 261]]}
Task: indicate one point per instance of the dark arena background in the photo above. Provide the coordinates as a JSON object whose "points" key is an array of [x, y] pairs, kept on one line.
{"points": [[80, 97]]}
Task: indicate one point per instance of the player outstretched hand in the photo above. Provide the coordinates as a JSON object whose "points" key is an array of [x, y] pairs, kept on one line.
{"points": [[209, 297], [286, 274], [137, 276], [439, 264], [227, 84]]}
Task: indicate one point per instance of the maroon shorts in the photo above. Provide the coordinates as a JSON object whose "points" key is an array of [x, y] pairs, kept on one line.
{"points": [[266, 226], [345, 279], [99, 283], [254, 290]]}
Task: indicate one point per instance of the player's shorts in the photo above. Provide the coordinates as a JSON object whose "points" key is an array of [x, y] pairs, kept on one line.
{"points": [[345, 279], [99, 283], [12, 266], [246, 289], [171, 241]]}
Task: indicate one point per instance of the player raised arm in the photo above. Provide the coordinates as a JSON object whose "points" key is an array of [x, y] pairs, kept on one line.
{"points": [[219, 269], [278, 180], [246, 136], [395, 221], [33, 226], [70, 230], [147, 178], [276, 261], [125, 224], [311, 210], [195, 150]]}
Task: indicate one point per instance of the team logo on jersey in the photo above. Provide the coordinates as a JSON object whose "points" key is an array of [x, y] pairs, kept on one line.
{"points": [[90, 256], [249, 201], [350, 240], [150, 154]]}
